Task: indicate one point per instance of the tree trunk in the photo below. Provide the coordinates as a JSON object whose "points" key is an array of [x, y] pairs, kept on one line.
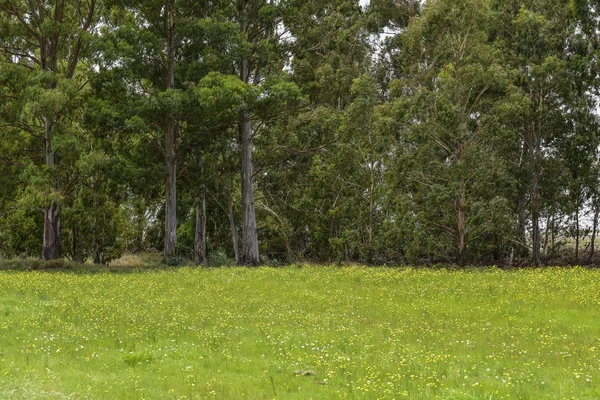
{"points": [[522, 202], [594, 230], [462, 225], [553, 235], [51, 248], [171, 193], [76, 256], [250, 254], [535, 197], [97, 255], [51, 245], [371, 216], [577, 234], [547, 233], [535, 220], [200, 240], [522, 221], [234, 230], [170, 152]]}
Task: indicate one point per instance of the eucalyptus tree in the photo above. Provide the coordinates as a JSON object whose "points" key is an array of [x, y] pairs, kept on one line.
{"points": [[258, 56], [42, 44], [248, 40], [158, 46], [553, 62], [452, 98], [329, 51]]}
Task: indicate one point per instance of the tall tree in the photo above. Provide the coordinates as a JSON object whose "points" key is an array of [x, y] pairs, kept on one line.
{"points": [[42, 43], [157, 45], [454, 92], [543, 47], [258, 58]]}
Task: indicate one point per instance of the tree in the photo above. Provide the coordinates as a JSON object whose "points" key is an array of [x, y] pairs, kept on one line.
{"points": [[158, 43], [453, 94], [41, 45], [542, 45]]}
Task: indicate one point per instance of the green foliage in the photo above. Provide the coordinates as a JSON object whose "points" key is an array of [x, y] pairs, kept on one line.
{"points": [[435, 131], [174, 261]]}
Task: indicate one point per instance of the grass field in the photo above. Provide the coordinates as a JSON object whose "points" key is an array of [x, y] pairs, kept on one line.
{"points": [[301, 333]]}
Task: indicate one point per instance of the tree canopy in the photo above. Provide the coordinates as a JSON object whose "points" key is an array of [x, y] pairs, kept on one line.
{"points": [[462, 131]]}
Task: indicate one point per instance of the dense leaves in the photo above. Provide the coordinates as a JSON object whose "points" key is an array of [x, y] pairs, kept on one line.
{"points": [[328, 130]]}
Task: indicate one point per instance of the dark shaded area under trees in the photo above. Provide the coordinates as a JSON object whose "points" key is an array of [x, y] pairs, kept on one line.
{"points": [[446, 131]]}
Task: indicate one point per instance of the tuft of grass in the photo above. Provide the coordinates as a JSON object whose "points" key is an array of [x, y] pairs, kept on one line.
{"points": [[130, 261], [135, 358], [31, 264], [301, 332], [127, 263]]}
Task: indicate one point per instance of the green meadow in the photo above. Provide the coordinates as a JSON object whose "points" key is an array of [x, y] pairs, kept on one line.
{"points": [[301, 332]]}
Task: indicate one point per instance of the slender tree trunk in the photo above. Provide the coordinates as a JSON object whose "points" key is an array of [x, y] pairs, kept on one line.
{"points": [[536, 197], [594, 231], [522, 220], [75, 243], [462, 225], [200, 240], [51, 245], [95, 247], [170, 151], [577, 234], [547, 233], [234, 230], [371, 208], [553, 235], [171, 194], [535, 220], [522, 202], [250, 255]]}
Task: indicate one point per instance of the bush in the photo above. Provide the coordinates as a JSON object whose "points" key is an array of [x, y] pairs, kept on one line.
{"points": [[219, 259], [174, 261]]}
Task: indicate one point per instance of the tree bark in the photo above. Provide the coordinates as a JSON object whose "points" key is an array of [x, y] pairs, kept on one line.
{"points": [[577, 233], [250, 255], [522, 201], [553, 235], [594, 231], [171, 193], [462, 226], [522, 221], [234, 230], [76, 256], [48, 48], [51, 248], [97, 254], [170, 151], [200, 239], [547, 233], [536, 197], [535, 220]]}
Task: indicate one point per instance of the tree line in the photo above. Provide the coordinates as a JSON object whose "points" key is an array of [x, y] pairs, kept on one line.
{"points": [[398, 131]]}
